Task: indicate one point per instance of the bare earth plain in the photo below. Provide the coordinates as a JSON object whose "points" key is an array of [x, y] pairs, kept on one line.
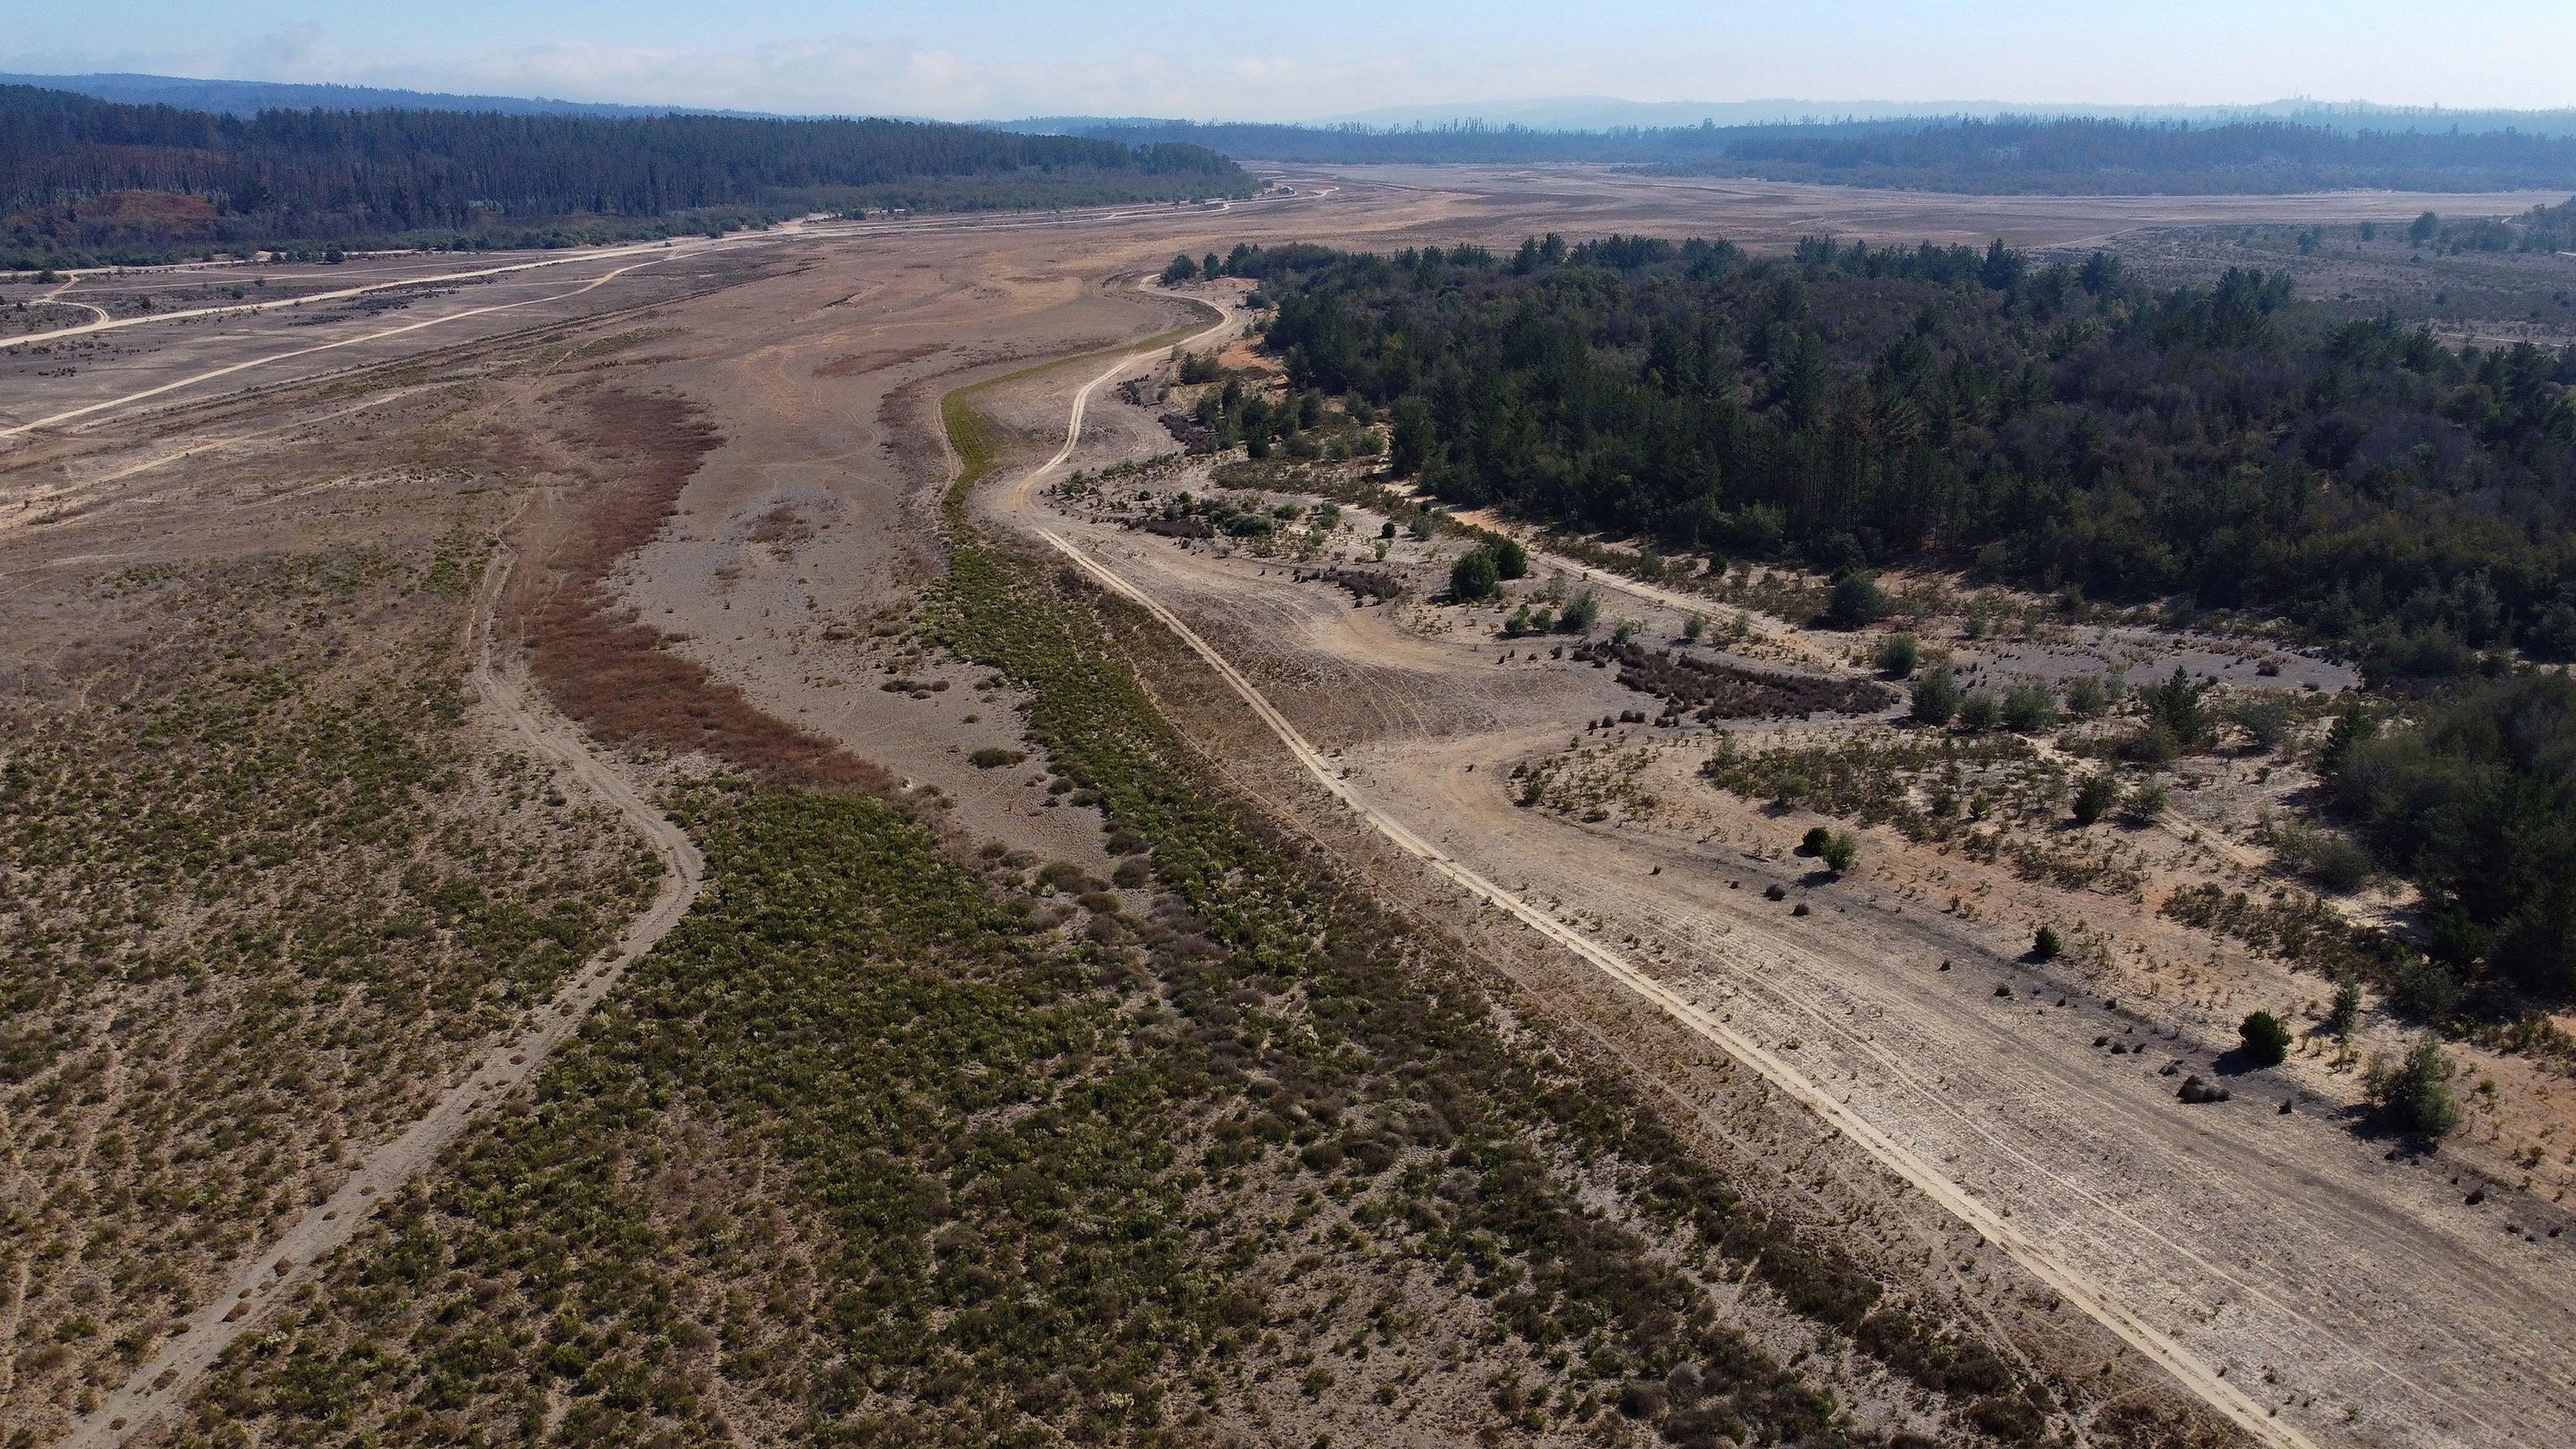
{"points": [[755, 423]]}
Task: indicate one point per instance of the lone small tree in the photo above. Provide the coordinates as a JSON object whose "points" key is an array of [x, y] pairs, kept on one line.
{"points": [[1898, 655], [2414, 1095], [1580, 615], [1979, 711], [2027, 707], [2266, 1040], [2176, 705], [2044, 945], [1473, 577], [2085, 696], [1841, 851], [1936, 697], [2145, 805], [1838, 849], [1856, 600], [1182, 269], [2345, 1013], [2095, 797]]}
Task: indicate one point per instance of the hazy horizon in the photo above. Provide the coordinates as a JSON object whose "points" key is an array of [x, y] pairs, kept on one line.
{"points": [[1330, 60]]}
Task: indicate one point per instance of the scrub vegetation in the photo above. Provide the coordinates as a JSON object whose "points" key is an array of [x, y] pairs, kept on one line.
{"points": [[260, 885], [884, 1145]]}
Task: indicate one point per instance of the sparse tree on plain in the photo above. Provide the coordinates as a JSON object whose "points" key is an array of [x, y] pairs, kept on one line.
{"points": [[1936, 697], [2414, 1094], [2266, 1042], [1473, 577], [2095, 797]]}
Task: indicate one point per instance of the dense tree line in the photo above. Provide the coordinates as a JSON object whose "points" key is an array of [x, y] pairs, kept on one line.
{"points": [[2009, 154], [2060, 427], [2056, 426], [2477, 802], [78, 174], [2075, 154]]}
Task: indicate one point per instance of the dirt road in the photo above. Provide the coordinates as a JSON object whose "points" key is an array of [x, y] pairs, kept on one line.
{"points": [[269, 1275], [2279, 1249], [2093, 1298], [2273, 1264]]}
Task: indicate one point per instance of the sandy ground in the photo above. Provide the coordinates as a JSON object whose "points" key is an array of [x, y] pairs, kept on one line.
{"points": [[270, 1274], [2350, 1294], [1495, 203], [2355, 1296]]}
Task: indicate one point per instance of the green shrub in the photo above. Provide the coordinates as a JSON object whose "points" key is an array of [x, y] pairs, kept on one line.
{"points": [[1856, 600], [1841, 851], [2095, 797], [2335, 863], [1979, 711], [2027, 707], [2153, 744], [1473, 577], [1897, 655], [2414, 1094], [2145, 805], [2176, 707], [2044, 945], [2085, 696], [2265, 1041], [1581, 615], [2424, 987], [1936, 698], [2265, 718]]}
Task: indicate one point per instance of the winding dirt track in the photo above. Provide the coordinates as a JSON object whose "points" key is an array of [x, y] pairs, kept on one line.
{"points": [[105, 323], [264, 1278], [2096, 1300], [115, 404]]}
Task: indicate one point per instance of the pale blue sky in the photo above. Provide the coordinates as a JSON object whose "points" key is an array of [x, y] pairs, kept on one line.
{"points": [[1305, 58]]}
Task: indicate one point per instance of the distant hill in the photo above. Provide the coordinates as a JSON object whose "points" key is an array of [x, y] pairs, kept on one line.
{"points": [[84, 180], [2072, 155], [1609, 113], [249, 98]]}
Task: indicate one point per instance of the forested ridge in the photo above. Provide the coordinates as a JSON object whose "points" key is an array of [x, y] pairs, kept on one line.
{"points": [[2059, 427], [2053, 426], [2100, 156], [126, 182], [2002, 154]]}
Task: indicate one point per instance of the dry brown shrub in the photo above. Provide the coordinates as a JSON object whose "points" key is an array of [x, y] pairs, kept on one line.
{"points": [[611, 671]]}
